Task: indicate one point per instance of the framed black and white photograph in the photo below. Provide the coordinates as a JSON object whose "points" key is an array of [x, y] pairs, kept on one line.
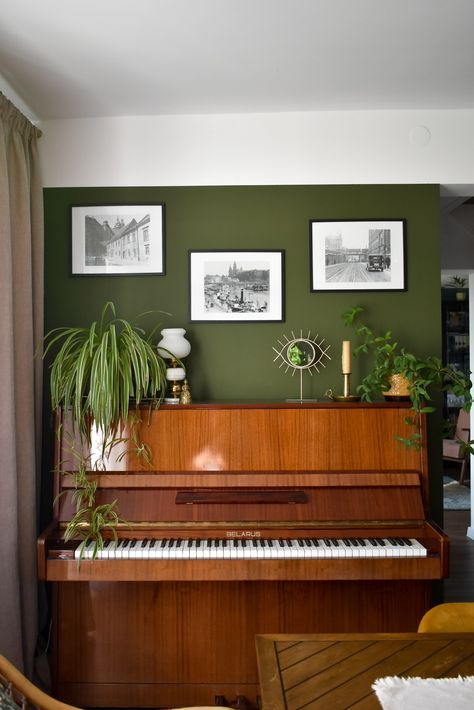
{"points": [[118, 239], [358, 255], [233, 286]]}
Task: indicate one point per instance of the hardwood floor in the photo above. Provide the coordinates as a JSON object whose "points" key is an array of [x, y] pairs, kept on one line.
{"points": [[459, 587]]}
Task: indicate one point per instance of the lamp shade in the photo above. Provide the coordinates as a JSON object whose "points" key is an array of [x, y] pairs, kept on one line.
{"points": [[173, 343]]}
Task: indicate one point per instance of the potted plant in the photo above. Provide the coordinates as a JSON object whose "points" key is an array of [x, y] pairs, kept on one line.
{"points": [[422, 376], [100, 374], [458, 282]]}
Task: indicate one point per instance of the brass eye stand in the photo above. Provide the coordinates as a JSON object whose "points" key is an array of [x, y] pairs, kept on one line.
{"points": [[347, 396]]}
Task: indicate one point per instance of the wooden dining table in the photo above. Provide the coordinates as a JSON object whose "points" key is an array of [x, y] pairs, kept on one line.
{"points": [[336, 671]]}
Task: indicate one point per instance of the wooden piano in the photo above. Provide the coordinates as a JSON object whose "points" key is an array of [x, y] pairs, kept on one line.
{"points": [[255, 519]]}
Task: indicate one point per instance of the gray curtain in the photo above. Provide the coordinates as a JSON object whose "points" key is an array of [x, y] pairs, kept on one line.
{"points": [[21, 322]]}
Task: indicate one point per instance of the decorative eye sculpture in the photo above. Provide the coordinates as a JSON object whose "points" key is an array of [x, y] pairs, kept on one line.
{"points": [[300, 354]]}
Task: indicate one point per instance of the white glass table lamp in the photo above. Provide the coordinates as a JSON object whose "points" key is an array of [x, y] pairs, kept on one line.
{"points": [[173, 347]]}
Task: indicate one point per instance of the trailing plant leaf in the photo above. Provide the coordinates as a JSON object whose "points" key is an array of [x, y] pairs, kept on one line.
{"points": [[412, 442]]}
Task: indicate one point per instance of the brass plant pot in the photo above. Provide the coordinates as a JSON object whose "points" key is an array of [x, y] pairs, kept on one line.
{"points": [[399, 388]]}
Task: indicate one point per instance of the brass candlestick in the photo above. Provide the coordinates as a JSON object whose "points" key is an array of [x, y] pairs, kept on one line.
{"points": [[347, 396]]}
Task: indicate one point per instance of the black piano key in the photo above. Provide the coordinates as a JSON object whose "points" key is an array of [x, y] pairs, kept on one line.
{"points": [[152, 543], [144, 542]]}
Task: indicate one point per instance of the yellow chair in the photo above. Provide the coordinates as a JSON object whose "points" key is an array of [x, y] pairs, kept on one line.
{"points": [[455, 617], [18, 691]]}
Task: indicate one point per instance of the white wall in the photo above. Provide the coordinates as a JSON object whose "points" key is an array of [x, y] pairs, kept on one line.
{"points": [[293, 148]]}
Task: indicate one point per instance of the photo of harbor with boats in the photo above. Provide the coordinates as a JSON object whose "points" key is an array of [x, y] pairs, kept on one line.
{"points": [[236, 287]]}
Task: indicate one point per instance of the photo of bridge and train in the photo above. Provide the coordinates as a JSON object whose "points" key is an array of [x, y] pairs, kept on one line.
{"points": [[365, 262], [358, 255]]}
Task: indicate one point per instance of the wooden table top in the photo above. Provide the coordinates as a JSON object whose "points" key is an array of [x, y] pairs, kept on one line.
{"points": [[336, 671]]}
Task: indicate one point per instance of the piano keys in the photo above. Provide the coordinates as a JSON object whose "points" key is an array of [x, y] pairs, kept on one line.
{"points": [[256, 549], [289, 518]]}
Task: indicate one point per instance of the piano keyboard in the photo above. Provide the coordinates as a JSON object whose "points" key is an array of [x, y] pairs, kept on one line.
{"points": [[255, 549]]}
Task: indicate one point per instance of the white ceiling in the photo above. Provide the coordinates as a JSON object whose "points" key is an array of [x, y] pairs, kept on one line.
{"points": [[90, 58]]}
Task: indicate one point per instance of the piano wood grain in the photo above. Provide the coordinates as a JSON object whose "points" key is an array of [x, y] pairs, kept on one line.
{"points": [[156, 637]]}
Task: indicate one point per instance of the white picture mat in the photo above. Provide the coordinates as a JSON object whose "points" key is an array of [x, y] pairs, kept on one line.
{"points": [[155, 262], [202, 263], [355, 234]]}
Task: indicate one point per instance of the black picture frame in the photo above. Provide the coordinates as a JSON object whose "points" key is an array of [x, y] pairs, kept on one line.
{"points": [[357, 255], [118, 239], [236, 285]]}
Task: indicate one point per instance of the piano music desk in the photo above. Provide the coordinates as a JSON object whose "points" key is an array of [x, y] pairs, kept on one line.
{"points": [[336, 671]]}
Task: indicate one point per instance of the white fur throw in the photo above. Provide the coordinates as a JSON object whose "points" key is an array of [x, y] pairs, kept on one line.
{"points": [[396, 693]]}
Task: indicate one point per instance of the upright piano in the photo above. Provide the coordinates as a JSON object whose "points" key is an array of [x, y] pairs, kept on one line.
{"points": [[252, 519]]}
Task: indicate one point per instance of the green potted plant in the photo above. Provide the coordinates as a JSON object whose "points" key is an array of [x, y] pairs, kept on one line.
{"points": [[423, 376], [100, 374], [458, 282]]}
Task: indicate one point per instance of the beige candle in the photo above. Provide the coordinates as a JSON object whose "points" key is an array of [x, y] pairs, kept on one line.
{"points": [[346, 357]]}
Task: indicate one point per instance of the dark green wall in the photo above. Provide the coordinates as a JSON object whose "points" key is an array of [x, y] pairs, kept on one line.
{"points": [[235, 360]]}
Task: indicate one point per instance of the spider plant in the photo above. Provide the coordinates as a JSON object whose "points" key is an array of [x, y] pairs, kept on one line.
{"points": [[89, 523], [98, 370], [96, 373]]}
